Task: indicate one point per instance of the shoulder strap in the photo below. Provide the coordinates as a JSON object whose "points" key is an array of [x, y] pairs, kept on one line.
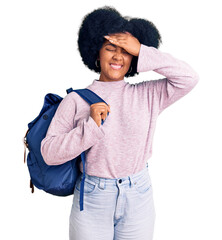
{"points": [[90, 97], [87, 95]]}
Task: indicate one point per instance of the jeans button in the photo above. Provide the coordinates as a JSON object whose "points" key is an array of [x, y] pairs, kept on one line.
{"points": [[120, 180]]}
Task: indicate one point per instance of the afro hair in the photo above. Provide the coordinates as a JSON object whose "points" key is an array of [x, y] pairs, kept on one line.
{"points": [[107, 20]]}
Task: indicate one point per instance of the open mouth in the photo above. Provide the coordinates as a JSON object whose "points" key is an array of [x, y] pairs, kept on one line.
{"points": [[116, 66]]}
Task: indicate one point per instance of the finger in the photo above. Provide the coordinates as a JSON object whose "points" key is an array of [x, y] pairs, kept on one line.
{"points": [[115, 40], [104, 108], [107, 110], [118, 38], [115, 34], [118, 35], [120, 43], [121, 35], [103, 117], [100, 106], [104, 114], [112, 40], [128, 33]]}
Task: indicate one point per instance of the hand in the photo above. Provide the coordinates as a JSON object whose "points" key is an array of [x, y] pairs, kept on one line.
{"points": [[125, 40], [99, 111]]}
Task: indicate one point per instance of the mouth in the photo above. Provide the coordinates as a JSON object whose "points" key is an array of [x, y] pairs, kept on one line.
{"points": [[116, 66]]}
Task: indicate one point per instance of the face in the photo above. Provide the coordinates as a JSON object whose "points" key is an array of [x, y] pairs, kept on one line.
{"points": [[114, 62]]}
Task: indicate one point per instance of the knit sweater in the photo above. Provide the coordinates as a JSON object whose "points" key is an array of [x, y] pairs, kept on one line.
{"points": [[123, 144]]}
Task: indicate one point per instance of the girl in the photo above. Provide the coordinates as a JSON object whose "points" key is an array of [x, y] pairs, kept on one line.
{"points": [[118, 194]]}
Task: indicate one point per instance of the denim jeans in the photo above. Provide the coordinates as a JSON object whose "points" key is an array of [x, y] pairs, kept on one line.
{"points": [[114, 209]]}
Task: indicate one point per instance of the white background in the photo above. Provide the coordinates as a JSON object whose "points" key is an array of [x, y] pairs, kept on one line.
{"points": [[38, 55]]}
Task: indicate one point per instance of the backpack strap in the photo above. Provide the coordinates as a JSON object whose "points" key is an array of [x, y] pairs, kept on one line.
{"points": [[90, 97], [87, 95]]}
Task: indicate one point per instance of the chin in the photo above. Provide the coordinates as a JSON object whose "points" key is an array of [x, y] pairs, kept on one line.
{"points": [[114, 76], [117, 78]]}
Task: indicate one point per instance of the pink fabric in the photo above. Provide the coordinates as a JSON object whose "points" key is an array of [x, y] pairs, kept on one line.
{"points": [[123, 144]]}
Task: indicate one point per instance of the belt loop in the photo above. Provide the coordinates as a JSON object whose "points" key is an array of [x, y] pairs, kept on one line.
{"points": [[131, 181], [101, 183]]}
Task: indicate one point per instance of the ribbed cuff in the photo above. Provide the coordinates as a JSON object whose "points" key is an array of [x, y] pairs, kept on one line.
{"points": [[96, 130], [145, 58]]}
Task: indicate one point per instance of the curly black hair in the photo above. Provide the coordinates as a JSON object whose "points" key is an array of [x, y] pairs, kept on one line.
{"points": [[107, 20]]}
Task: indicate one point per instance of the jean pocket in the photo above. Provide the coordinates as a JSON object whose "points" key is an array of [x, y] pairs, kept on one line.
{"points": [[143, 184], [89, 186]]}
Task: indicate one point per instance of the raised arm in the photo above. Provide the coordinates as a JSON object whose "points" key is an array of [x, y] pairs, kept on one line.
{"points": [[63, 142], [179, 79]]}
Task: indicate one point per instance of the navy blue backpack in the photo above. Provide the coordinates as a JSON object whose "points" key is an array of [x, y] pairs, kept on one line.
{"points": [[58, 180]]}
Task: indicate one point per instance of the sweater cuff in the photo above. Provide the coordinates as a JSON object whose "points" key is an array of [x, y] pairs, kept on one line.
{"points": [[96, 131], [145, 55]]}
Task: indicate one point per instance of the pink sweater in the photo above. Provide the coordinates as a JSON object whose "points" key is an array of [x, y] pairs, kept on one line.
{"points": [[123, 144]]}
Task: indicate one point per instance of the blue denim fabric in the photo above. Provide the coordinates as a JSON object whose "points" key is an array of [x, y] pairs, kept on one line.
{"points": [[114, 209]]}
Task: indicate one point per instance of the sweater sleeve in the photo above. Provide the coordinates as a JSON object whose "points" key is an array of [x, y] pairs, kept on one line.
{"points": [[179, 79], [63, 142]]}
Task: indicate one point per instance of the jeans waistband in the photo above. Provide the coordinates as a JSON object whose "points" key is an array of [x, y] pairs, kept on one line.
{"points": [[113, 181]]}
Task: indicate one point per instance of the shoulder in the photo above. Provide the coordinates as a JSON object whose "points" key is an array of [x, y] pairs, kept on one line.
{"points": [[68, 102], [71, 98], [74, 100]]}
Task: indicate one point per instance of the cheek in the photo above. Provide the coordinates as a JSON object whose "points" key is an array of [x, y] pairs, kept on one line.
{"points": [[105, 58]]}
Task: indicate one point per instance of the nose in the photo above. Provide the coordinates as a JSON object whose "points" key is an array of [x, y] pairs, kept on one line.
{"points": [[118, 55]]}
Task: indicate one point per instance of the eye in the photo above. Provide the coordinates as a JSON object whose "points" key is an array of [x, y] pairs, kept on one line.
{"points": [[110, 49], [114, 50]]}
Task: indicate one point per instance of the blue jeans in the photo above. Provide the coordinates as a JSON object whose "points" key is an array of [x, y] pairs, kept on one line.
{"points": [[114, 209]]}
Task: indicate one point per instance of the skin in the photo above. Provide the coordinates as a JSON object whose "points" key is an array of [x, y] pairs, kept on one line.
{"points": [[118, 48]]}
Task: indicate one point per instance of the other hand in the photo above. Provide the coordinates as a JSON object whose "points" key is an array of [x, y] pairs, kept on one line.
{"points": [[99, 111], [125, 40]]}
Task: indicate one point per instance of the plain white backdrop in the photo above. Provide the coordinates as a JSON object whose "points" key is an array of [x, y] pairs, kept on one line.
{"points": [[38, 55]]}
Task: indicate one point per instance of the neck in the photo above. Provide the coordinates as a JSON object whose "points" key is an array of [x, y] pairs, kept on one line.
{"points": [[103, 78], [110, 80], [109, 84]]}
